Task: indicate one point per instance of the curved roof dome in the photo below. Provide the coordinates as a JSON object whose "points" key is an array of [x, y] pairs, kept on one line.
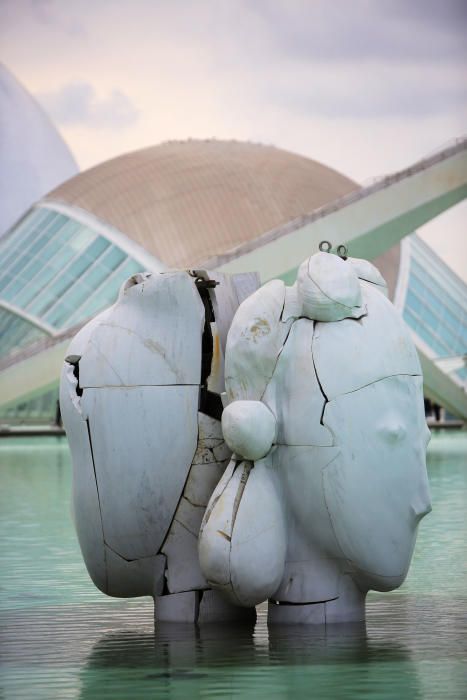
{"points": [[34, 158], [188, 201]]}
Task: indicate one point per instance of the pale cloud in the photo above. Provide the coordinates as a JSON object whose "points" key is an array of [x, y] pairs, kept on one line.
{"points": [[365, 87], [364, 29], [375, 89], [78, 104], [42, 12]]}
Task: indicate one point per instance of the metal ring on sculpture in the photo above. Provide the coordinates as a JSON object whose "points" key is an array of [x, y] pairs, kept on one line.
{"points": [[325, 246], [342, 251]]}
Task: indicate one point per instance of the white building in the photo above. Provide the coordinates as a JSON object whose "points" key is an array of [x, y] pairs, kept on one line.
{"points": [[224, 205], [33, 156]]}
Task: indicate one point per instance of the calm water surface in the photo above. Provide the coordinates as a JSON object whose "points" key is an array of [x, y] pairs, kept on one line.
{"points": [[61, 638]]}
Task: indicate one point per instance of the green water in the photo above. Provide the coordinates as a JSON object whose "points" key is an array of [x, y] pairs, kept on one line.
{"points": [[61, 638]]}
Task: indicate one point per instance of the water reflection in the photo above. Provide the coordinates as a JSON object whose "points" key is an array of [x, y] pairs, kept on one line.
{"points": [[180, 661], [60, 637]]}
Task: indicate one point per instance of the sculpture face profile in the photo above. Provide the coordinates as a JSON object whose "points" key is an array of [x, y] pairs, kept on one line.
{"points": [[324, 415], [376, 489], [326, 400]]}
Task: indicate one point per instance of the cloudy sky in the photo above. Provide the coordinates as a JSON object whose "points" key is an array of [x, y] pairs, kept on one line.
{"points": [[365, 86]]}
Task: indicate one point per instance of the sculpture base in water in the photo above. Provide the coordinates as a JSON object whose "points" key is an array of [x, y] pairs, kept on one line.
{"points": [[201, 607]]}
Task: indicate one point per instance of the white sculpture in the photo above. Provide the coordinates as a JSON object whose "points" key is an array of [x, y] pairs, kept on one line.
{"points": [[140, 399], [321, 499], [325, 393]]}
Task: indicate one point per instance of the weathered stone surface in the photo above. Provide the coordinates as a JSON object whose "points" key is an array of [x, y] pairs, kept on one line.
{"points": [[183, 570], [141, 460], [178, 607]]}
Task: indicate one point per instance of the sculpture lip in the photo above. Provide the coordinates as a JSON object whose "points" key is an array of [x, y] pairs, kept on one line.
{"points": [[379, 581], [421, 510], [421, 503]]}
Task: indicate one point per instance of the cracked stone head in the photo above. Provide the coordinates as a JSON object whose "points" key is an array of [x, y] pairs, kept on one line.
{"points": [[376, 489]]}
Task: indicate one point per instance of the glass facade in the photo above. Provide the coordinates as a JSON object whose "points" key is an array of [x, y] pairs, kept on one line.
{"points": [[433, 312], [59, 271], [37, 410], [16, 333]]}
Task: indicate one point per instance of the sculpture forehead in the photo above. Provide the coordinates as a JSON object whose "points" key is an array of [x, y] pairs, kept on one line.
{"points": [[351, 354], [150, 336], [389, 410]]}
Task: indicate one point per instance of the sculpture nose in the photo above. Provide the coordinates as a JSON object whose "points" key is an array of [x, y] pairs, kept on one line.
{"points": [[421, 504]]}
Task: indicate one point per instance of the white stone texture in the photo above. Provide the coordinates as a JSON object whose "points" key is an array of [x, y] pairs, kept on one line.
{"points": [[189, 516], [259, 538], [336, 407], [146, 432], [141, 460], [294, 394], [313, 560], [349, 606], [376, 490], [329, 288], [214, 607], [183, 569], [85, 498], [242, 538], [345, 483], [230, 291], [202, 481], [254, 342], [366, 271], [202, 607], [313, 614], [139, 577], [354, 353], [245, 284], [178, 607], [80, 344], [150, 336], [181, 544], [216, 528], [249, 429]]}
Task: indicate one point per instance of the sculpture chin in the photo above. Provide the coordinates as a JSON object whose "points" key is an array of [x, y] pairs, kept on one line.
{"points": [[383, 584]]}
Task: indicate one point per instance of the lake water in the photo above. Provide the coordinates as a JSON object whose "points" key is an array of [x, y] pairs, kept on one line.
{"points": [[61, 638]]}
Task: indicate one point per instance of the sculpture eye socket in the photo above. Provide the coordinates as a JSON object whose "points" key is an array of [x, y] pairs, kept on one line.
{"points": [[394, 432]]}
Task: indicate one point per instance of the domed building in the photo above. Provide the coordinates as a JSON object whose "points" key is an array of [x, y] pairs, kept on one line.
{"points": [[34, 157], [188, 204], [185, 202], [174, 205]]}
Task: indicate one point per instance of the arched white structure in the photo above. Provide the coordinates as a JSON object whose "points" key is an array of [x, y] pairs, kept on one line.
{"points": [[34, 157], [118, 202]]}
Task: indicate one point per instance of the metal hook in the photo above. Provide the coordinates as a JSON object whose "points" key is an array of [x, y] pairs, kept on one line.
{"points": [[325, 247], [205, 284], [342, 252]]}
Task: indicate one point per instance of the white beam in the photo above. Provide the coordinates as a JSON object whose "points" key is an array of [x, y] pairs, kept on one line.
{"points": [[370, 220]]}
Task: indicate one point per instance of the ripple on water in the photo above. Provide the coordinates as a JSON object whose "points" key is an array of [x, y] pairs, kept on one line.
{"points": [[61, 638]]}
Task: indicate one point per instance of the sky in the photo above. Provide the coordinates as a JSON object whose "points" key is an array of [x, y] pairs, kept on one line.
{"points": [[364, 86]]}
